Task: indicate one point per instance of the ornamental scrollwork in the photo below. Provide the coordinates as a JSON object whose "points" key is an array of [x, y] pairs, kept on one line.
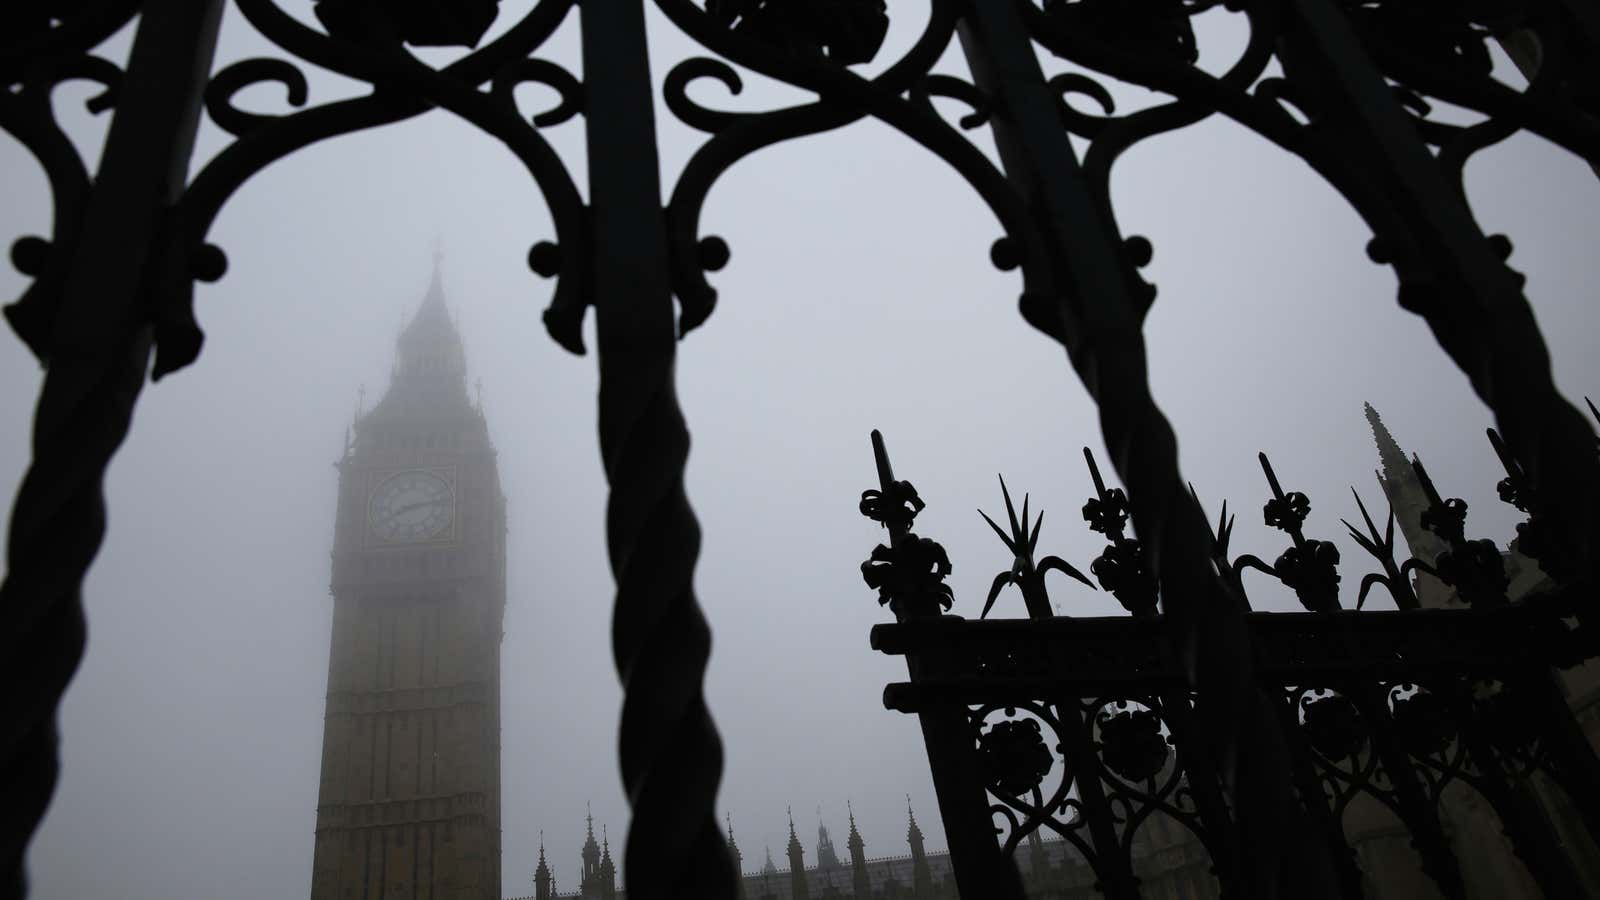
{"points": [[846, 32], [1342, 755], [1146, 766], [1018, 745], [1131, 743], [1014, 756], [367, 44], [41, 48], [818, 45], [1333, 726]]}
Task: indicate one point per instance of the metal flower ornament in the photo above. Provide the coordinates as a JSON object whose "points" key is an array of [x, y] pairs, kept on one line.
{"points": [[908, 572], [1474, 568], [1024, 573], [1309, 567], [1121, 567]]}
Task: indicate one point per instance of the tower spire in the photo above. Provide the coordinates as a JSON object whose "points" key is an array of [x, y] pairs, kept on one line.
{"points": [[591, 854], [798, 887], [1408, 499], [608, 869], [1395, 463], [543, 886], [858, 857], [921, 875]]}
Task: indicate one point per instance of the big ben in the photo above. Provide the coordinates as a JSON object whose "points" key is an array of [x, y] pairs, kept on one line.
{"points": [[409, 802]]}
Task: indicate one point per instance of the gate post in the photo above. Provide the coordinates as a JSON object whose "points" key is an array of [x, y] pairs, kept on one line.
{"points": [[670, 753], [98, 350]]}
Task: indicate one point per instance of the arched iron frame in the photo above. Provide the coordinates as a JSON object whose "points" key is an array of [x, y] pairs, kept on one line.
{"points": [[113, 283]]}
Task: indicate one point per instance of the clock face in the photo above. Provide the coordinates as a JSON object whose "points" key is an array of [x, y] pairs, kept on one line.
{"points": [[411, 506]]}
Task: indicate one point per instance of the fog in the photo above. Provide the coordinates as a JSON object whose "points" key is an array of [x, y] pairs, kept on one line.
{"points": [[860, 295]]}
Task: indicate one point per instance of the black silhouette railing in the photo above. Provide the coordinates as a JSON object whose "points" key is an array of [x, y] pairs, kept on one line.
{"points": [[1085, 728], [1349, 93]]}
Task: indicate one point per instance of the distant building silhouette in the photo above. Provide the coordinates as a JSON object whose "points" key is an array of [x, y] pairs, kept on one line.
{"points": [[1170, 861], [409, 803]]}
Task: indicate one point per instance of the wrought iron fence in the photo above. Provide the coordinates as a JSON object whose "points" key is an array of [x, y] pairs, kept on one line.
{"points": [[1085, 728], [1343, 84]]}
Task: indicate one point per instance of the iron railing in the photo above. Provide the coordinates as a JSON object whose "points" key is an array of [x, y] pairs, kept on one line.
{"points": [[1085, 728], [113, 281]]}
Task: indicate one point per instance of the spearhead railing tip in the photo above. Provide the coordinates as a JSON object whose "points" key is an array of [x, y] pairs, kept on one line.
{"points": [[1512, 467], [1094, 472], [1425, 481], [880, 455], [1272, 477]]}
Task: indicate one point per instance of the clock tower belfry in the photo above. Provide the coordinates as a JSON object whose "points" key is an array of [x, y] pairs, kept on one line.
{"points": [[409, 802]]}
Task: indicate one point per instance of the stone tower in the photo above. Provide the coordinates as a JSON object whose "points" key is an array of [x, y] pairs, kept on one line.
{"points": [[409, 804]]}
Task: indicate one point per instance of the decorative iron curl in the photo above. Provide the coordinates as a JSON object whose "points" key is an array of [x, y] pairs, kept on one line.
{"points": [[1345, 776], [1060, 812], [898, 96], [1354, 146], [1084, 41], [404, 87], [1167, 789], [1443, 54], [41, 49], [26, 113]]}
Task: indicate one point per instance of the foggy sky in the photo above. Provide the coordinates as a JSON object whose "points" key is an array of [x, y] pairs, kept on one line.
{"points": [[859, 295]]}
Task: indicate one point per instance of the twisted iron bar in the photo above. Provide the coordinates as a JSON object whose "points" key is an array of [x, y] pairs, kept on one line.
{"points": [[98, 345], [671, 754]]}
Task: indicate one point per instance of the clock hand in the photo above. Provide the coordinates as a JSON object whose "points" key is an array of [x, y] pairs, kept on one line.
{"points": [[410, 506]]}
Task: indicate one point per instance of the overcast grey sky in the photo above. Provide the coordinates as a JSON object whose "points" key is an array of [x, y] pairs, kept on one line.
{"points": [[859, 295]]}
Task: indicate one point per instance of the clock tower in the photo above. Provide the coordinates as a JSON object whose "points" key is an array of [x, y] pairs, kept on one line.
{"points": [[409, 803]]}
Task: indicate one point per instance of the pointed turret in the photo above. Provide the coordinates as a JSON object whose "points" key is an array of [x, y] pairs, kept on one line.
{"points": [[608, 869], [589, 882], [859, 882], [430, 345], [921, 875], [1400, 484], [430, 369], [798, 889], [542, 889]]}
